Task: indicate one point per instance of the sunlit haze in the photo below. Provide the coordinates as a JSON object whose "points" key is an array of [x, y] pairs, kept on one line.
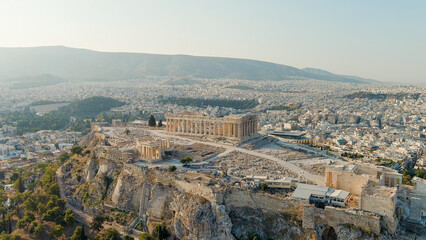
{"points": [[382, 40]]}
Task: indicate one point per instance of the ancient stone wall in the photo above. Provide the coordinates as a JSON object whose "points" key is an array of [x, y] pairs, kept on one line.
{"points": [[368, 222], [242, 198], [347, 181], [378, 204], [334, 217]]}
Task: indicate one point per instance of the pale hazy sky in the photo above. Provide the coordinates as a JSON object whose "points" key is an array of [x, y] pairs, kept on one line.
{"points": [[384, 40]]}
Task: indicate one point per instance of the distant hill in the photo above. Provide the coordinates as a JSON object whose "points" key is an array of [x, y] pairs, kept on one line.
{"points": [[339, 78], [87, 65]]}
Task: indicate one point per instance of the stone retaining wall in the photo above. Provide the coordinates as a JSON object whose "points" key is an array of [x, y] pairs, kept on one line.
{"points": [[333, 217]]}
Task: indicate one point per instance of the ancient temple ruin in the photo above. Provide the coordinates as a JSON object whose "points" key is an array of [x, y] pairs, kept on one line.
{"points": [[234, 127]]}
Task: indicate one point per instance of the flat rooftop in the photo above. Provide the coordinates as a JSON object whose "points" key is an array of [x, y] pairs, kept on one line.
{"points": [[304, 191]]}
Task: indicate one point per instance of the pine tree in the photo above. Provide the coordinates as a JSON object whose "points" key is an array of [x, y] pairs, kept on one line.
{"points": [[151, 121], [160, 123], [19, 185]]}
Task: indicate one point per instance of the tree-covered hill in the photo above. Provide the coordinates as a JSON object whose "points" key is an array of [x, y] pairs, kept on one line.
{"points": [[90, 107], [28, 121]]}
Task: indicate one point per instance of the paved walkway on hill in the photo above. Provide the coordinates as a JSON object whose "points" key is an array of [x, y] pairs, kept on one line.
{"points": [[316, 179]]}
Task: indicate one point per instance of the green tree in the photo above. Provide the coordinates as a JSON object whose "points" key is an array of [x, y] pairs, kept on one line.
{"points": [[29, 216], [54, 190], [31, 186], [22, 223], [5, 236], [253, 236], [63, 157], [57, 231], [97, 223], [76, 150], [151, 121], [127, 237], [79, 234], [172, 168], [19, 185], [38, 231], [111, 234], [13, 177], [421, 173], [51, 214], [406, 179], [160, 232], [69, 217], [160, 123], [264, 186], [100, 118], [146, 236], [9, 216], [186, 160]]}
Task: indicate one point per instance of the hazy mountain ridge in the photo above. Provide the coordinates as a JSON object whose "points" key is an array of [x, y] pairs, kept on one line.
{"points": [[337, 77], [81, 64]]}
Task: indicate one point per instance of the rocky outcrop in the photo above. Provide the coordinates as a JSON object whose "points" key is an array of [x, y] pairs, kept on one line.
{"points": [[274, 225], [90, 170], [197, 218], [190, 215], [126, 194], [280, 217]]}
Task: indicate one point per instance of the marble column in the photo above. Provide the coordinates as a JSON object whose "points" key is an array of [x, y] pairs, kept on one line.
{"points": [[247, 128], [242, 129], [192, 126], [179, 125], [217, 129]]}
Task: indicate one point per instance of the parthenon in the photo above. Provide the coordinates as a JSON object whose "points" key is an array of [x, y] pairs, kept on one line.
{"points": [[235, 127]]}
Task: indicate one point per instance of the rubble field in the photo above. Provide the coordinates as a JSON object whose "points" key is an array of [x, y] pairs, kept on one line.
{"points": [[197, 151], [242, 165], [284, 153]]}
